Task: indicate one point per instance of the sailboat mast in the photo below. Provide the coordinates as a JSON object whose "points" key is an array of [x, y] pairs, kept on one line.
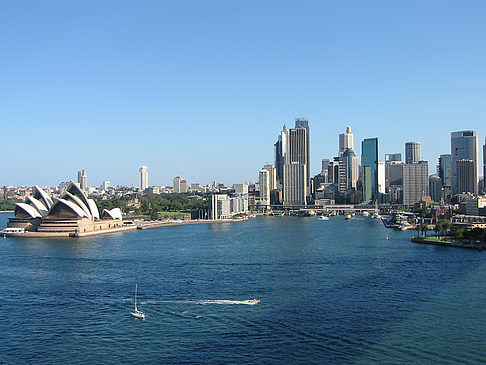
{"points": [[136, 287]]}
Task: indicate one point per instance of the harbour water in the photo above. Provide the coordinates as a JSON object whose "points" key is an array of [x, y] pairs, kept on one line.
{"points": [[337, 291]]}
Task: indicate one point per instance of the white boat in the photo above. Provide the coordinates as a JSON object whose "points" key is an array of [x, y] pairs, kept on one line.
{"points": [[365, 213], [323, 218], [136, 312]]}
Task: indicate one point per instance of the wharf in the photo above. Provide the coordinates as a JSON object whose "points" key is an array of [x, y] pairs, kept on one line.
{"points": [[457, 244], [124, 228], [157, 224]]}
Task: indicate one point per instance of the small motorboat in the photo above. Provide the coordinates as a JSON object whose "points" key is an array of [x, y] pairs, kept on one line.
{"points": [[348, 216], [323, 218], [254, 301]]}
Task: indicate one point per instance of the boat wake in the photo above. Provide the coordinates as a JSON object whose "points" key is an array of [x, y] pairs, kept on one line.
{"points": [[228, 302], [207, 302]]}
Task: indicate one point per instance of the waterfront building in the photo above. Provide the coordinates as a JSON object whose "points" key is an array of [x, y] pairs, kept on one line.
{"points": [[415, 182], [224, 206], [143, 177], [464, 146], [295, 184], [369, 163], [346, 141], [265, 187], [412, 152], [272, 176], [466, 177], [83, 180], [72, 213]]}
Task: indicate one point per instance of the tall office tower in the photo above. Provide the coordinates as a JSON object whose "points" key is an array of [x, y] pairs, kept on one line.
{"points": [[325, 170], [298, 152], [304, 123], [281, 151], [415, 182], [369, 163], [464, 146], [184, 186], [412, 152], [333, 171], [484, 164], [435, 188], [82, 180], [444, 169], [381, 177], [176, 184], [351, 164], [143, 177], [272, 176], [391, 159], [346, 140], [295, 184], [264, 182], [466, 177]]}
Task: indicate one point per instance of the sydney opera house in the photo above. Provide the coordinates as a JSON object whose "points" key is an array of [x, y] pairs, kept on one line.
{"points": [[73, 214]]}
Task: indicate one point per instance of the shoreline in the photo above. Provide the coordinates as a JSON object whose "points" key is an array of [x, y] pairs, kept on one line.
{"points": [[455, 244], [132, 227]]}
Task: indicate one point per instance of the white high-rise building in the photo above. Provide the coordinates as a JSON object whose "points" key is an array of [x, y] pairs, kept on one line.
{"points": [[346, 140], [272, 176], [264, 182], [295, 184], [143, 177]]}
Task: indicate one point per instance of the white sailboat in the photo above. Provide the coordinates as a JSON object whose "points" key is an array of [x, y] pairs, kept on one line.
{"points": [[136, 312]]}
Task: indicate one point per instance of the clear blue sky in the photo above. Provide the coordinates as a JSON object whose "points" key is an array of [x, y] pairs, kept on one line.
{"points": [[201, 89]]}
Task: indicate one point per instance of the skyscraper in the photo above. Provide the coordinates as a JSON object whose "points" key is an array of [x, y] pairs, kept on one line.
{"points": [[415, 182], [484, 164], [412, 152], [369, 163], [143, 177], [466, 179], [305, 159], [464, 146], [445, 169], [82, 180], [346, 140], [272, 176], [295, 184], [264, 182], [281, 151]]}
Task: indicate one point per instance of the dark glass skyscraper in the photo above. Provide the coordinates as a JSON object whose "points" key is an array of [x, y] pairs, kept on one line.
{"points": [[464, 146], [369, 163]]}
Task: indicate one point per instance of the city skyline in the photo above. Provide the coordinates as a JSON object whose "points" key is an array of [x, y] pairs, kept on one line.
{"points": [[210, 85]]}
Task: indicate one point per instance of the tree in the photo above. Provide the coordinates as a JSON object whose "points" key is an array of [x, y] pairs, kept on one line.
{"points": [[424, 228]]}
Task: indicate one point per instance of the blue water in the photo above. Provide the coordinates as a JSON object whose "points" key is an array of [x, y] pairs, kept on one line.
{"points": [[333, 291]]}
